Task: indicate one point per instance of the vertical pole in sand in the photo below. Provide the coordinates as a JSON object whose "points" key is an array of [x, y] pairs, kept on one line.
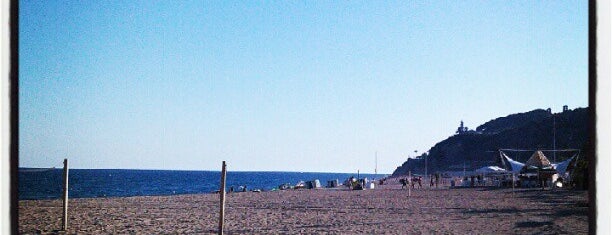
{"points": [[65, 196], [358, 180], [513, 184], [222, 197], [409, 182]]}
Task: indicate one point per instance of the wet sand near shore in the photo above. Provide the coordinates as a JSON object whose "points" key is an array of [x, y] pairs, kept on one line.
{"points": [[386, 209]]}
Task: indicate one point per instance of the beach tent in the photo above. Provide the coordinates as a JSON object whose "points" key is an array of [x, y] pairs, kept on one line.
{"points": [[490, 169]]}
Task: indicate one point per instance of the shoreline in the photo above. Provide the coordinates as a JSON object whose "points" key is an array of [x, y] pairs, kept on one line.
{"points": [[386, 209]]}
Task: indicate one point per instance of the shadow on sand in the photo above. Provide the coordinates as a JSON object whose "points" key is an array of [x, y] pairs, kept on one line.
{"points": [[532, 224]]}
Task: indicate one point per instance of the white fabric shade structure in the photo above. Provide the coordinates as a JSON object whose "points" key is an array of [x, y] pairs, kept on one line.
{"points": [[490, 169], [560, 167], [514, 165]]}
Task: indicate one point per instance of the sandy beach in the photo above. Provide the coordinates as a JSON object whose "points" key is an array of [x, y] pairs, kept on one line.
{"points": [[386, 209]]}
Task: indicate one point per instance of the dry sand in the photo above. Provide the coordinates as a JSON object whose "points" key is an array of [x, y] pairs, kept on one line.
{"points": [[387, 209]]}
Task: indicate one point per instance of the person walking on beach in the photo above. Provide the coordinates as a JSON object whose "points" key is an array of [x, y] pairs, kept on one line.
{"points": [[415, 181], [404, 183], [431, 181]]}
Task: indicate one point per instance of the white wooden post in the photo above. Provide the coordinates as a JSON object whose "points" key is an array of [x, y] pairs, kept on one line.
{"points": [[409, 182], [65, 196]]}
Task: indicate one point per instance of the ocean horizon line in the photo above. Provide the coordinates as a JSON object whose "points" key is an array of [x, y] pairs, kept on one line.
{"points": [[245, 171]]}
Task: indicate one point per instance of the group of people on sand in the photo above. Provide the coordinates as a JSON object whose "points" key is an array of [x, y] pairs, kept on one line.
{"points": [[412, 181], [434, 180]]}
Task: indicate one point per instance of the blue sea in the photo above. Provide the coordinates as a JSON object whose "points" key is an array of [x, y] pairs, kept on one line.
{"points": [[93, 183]]}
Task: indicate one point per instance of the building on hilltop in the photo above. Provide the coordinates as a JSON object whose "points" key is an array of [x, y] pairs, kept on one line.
{"points": [[461, 129], [464, 130]]}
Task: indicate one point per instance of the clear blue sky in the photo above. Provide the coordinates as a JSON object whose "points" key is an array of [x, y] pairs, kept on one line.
{"points": [[284, 85]]}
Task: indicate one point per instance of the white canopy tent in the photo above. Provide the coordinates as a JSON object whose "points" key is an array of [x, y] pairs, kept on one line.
{"points": [[490, 169], [560, 167]]}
